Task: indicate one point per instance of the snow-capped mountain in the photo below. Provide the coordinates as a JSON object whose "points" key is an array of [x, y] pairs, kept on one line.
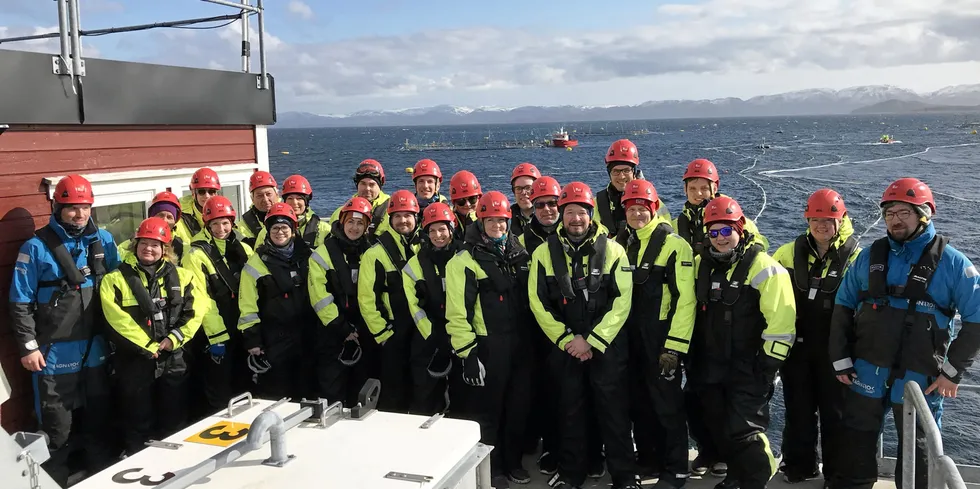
{"points": [[815, 101]]}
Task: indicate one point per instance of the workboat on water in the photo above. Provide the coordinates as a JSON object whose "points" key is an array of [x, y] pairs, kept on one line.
{"points": [[60, 114]]}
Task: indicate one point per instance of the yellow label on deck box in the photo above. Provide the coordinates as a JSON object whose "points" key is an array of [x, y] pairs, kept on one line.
{"points": [[222, 434]]}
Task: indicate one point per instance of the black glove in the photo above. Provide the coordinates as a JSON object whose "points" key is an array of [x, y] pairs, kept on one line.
{"points": [[473, 370], [670, 360]]}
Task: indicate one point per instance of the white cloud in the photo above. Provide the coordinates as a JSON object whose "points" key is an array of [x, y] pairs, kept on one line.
{"points": [[300, 9]]}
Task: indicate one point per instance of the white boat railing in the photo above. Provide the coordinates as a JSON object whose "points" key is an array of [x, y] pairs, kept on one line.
{"points": [[943, 471]]}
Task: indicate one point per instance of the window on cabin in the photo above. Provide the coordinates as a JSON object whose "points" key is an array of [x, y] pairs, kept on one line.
{"points": [[121, 220]]}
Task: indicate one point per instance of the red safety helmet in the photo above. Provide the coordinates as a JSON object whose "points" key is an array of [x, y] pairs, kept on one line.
{"points": [[426, 168], [701, 168], [723, 209], [825, 203], [524, 170], [493, 204], [73, 189], [297, 184], [576, 193], [370, 169], [911, 191], [464, 184], [170, 198], [403, 201], [205, 178], [261, 179], [438, 212], [356, 204], [622, 151], [640, 192], [218, 206], [281, 209], [545, 187], [154, 228]]}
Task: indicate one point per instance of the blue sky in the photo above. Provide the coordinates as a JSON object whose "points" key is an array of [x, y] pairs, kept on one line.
{"points": [[342, 56]]}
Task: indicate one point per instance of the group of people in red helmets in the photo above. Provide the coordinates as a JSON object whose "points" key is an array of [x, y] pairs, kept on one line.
{"points": [[564, 318]]}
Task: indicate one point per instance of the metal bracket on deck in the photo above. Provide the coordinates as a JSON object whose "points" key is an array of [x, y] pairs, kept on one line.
{"points": [[367, 399], [233, 409], [163, 444], [276, 404], [401, 476], [431, 421]]}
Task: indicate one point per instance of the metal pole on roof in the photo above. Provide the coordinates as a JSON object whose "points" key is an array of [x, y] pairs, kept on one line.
{"points": [[263, 76], [235, 5], [246, 47], [76, 44], [63, 35]]}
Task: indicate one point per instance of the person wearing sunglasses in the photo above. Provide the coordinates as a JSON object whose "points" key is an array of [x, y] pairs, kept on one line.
{"points": [[465, 192], [204, 185], [623, 166], [816, 261], [346, 357], [580, 291], [488, 322], [369, 180], [521, 179], [277, 321], [743, 332], [424, 281], [894, 323], [659, 326], [382, 301], [542, 423], [427, 178]]}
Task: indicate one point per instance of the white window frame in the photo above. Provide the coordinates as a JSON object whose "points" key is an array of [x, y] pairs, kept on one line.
{"points": [[124, 187]]}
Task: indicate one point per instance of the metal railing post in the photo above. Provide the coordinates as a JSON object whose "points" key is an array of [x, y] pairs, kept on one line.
{"points": [[246, 46], [942, 472], [63, 29], [908, 444], [264, 77]]}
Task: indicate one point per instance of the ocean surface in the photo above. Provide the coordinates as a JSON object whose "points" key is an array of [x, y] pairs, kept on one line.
{"points": [[772, 184]]}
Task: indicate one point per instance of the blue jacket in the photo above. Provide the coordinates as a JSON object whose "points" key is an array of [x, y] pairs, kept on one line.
{"points": [[48, 313], [857, 332]]}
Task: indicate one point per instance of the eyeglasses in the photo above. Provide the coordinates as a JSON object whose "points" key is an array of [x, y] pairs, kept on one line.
{"points": [[539, 205], [525, 189], [280, 230], [901, 215], [622, 172], [469, 200], [207, 191], [725, 231]]}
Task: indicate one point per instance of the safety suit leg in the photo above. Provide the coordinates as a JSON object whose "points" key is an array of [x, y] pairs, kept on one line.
{"points": [[746, 423], [608, 380], [517, 398], [667, 402], [170, 395], [571, 381], [461, 396], [495, 354], [541, 421], [396, 375], [94, 431], [697, 428], [285, 376], [218, 380], [800, 399], [203, 383], [857, 454], [830, 401], [428, 393], [641, 405], [370, 365], [135, 396], [331, 375]]}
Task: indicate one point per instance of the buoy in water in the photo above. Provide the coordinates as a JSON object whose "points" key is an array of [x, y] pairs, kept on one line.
{"points": [[409, 170], [974, 131], [284, 152], [569, 148]]}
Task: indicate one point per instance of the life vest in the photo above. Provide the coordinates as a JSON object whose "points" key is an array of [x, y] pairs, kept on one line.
{"points": [[725, 293], [607, 210], [311, 231], [252, 222], [919, 278], [432, 290], [157, 315], [590, 283], [346, 274], [807, 280], [392, 284], [191, 222], [224, 282], [378, 215], [503, 296], [692, 230], [59, 319]]}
